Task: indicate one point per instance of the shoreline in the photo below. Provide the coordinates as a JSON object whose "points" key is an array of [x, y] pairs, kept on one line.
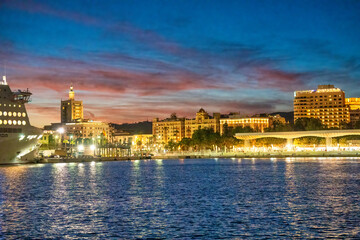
{"points": [[207, 156]]}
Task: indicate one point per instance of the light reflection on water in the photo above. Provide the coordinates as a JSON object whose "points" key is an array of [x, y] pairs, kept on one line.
{"points": [[200, 198]]}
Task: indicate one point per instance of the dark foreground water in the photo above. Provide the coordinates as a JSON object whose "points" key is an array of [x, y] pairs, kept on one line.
{"points": [[205, 198]]}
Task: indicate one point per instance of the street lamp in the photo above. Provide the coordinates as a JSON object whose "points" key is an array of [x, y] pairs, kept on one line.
{"points": [[61, 131], [81, 148], [93, 147], [71, 145]]}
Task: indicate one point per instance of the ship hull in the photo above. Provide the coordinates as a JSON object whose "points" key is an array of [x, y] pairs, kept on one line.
{"points": [[19, 147]]}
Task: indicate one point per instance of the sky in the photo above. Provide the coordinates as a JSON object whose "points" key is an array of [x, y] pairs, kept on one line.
{"points": [[132, 61]]}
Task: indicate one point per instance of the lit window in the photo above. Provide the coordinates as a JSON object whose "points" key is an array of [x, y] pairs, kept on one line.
{"points": [[10, 114], [19, 114], [19, 105], [10, 122], [19, 122], [0, 113], [23, 122], [0, 122], [14, 122], [5, 122], [24, 114], [14, 114], [5, 113]]}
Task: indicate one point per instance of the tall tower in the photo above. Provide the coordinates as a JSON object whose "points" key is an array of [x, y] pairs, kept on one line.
{"points": [[71, 110], [71, 93]]}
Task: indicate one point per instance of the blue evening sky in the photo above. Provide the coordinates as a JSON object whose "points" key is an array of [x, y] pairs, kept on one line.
{"points": [[135, 60]]}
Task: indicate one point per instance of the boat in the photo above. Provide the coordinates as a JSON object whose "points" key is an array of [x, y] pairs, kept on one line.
{"points": [[18, 139]]}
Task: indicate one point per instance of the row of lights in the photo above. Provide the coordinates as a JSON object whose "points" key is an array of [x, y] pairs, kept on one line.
{"points": [[9, 105], [13, 114], [12, 122]]}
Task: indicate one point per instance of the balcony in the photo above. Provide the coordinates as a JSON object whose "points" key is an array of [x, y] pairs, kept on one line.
{"points": [[22, 96]]}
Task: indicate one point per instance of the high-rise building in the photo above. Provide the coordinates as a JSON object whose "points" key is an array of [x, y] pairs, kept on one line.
{"points": [[354, 107], [71, 109], [327, 103]]}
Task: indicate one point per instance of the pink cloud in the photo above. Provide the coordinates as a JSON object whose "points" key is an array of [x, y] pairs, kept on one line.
{"points": [[280, 79]]}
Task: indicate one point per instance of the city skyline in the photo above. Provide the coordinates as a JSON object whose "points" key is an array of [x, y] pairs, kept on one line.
{"points": [[130, 63]]}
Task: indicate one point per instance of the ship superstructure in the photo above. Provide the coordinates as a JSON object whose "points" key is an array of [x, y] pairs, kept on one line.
{"points": [[18, 139]]}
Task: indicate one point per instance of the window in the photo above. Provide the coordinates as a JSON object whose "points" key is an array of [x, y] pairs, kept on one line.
{"points": [[24, 114], [5, 113], [23, 122]]}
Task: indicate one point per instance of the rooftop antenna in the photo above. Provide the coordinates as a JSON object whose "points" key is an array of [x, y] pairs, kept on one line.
{"points": [[4, 76]]}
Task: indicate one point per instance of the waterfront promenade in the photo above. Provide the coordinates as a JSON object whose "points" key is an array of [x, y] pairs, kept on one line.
{"points": [[194, 155]]}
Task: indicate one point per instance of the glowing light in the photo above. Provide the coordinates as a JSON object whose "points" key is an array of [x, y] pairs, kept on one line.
{"points": [[92, 147], [81, 148], [21, 137], [61, 130]]}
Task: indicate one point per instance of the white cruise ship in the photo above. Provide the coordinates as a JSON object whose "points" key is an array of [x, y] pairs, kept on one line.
{"points": [[18, 139]]}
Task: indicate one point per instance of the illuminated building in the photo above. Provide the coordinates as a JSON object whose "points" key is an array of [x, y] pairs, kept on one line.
{"points": [[354, 107], [92, 130], [201, 121], [141, 142], [122, 138], [327, 103], [48, 137], [256, 123], [175, 129], [71, 109], [133, 143], [170, 129]]}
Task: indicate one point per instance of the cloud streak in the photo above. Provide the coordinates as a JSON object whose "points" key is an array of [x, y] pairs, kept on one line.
{"points": [[129, 65]]}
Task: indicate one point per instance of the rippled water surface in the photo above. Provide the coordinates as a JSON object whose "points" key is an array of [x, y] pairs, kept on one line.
{"points": [[204, 198]]}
